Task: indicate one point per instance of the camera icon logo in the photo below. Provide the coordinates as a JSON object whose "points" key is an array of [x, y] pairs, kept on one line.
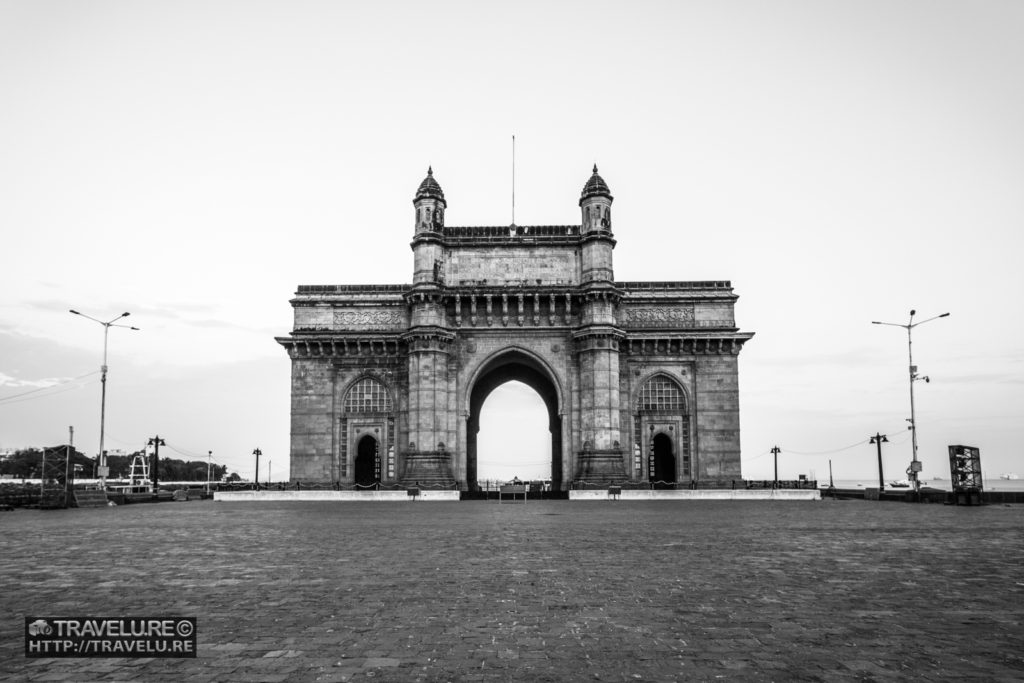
{"points": [[40, 627]]}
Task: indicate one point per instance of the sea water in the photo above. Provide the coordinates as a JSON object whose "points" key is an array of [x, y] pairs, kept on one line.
{"points": [[988, 484]]}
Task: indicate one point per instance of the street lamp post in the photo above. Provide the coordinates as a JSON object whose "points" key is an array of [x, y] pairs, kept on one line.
{"points": [[775, 451], [257, 452], [915, 464], [103, 384], [880, 439]]}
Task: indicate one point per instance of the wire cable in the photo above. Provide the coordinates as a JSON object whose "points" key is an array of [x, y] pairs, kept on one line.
{"points": [[14, 398]]}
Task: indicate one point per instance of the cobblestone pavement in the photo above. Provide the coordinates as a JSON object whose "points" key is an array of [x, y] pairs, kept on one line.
{"points": [[546, 591]]}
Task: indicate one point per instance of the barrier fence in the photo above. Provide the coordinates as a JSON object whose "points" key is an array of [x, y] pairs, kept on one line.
{"points": [[733, 484]]}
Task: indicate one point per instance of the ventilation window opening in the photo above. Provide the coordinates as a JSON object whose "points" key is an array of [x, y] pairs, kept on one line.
{"points": [[367, 396], [661, 394]]}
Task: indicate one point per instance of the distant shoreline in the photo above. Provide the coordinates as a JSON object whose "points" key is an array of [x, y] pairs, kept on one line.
{"points": [[941, 484]]}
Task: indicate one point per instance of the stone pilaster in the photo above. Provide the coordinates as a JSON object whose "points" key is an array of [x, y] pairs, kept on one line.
{"points": [[601, 458], [427, 457]]}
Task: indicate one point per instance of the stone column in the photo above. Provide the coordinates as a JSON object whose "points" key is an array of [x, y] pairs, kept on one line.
{"points": [[600, 461], [428, 455]]}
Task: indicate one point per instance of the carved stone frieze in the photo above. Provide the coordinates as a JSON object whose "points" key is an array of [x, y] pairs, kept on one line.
{"points": [[368, 318], [659, 316]]}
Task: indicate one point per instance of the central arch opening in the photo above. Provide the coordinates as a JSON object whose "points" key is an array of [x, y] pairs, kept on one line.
{"points": [[512, 371], [514, 440]]}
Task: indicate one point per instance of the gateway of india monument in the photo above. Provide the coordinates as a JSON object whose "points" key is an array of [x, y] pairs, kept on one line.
{"points": [[639, 378]]}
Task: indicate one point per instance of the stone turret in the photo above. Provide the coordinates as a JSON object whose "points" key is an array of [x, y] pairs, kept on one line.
{"points": [[596, 205], [430, 205], [430, 433], [596, 229], [427, 249], [597, 341]]}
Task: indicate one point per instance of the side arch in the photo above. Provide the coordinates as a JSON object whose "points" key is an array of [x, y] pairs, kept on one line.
{"points": [[662, 414], [366, 405]]}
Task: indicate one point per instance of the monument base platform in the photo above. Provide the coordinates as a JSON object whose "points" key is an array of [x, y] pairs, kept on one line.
{"points": [[699, 494], [425, 495]]}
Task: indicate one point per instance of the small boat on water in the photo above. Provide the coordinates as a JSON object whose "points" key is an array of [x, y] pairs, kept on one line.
{"points": [[1011, 476], [139, 486], [904, 483]]}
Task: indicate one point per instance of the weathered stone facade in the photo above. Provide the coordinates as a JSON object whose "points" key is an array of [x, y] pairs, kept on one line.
{"points": [[639, 378]]}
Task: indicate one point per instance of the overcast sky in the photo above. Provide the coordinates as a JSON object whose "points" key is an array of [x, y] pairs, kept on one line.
{"points": [[193, 162]]}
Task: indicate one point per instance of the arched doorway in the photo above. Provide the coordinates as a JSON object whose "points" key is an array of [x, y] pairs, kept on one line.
{"points": [[521, 367], [663, 461], [367, 464], [661, 430]]}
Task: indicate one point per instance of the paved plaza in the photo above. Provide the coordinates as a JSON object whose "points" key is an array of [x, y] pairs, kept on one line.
{"points": [[542, 591]]}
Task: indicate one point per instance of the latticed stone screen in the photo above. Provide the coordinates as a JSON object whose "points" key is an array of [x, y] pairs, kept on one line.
{"points": [[662, 394], [367, 396], [343, 460]]}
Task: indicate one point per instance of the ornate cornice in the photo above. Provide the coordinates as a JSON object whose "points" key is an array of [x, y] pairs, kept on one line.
{"points": [[598, 236], [428, 338], [598, 337], [318, 345], [714, 344]]}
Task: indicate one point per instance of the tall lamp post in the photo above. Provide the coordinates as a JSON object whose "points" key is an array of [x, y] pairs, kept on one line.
{"points": [[257, 452], [915, 464], [103, 382]]}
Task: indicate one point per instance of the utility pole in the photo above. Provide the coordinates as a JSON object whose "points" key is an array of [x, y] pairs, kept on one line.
{"points": [[775, 451], [513, 180], [69, 468], [102, 469], [913, 472], [830, 484], [880, 439], [156, 442], [209, 460], [257, 452]]}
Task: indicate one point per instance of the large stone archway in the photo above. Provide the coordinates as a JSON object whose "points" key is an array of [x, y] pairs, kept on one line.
{"points": [[413, 363], [518, 366]]}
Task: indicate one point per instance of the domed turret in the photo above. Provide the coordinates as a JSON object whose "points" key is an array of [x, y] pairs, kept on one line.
{"points": [[430, 205], [596, 230], [430, 187], [596, 205], [595, 187]]}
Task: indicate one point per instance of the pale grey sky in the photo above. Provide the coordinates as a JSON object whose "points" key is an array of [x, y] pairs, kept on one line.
{"points": [[192, 162]]}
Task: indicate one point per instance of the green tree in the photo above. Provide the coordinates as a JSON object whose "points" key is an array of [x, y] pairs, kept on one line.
{"points": [[27, 462]]}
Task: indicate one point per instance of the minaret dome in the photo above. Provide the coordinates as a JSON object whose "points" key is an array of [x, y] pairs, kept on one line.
{"points": [[430, 205]]}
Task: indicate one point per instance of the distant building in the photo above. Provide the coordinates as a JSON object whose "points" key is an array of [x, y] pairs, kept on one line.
{"points": [[639, 378]]}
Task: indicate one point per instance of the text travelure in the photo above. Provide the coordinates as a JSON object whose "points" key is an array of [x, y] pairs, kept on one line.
{"points": [[139, 628]]}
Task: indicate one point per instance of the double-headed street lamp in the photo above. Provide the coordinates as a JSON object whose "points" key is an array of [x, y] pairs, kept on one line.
{"points": [[103, 382], [915, 465]]}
